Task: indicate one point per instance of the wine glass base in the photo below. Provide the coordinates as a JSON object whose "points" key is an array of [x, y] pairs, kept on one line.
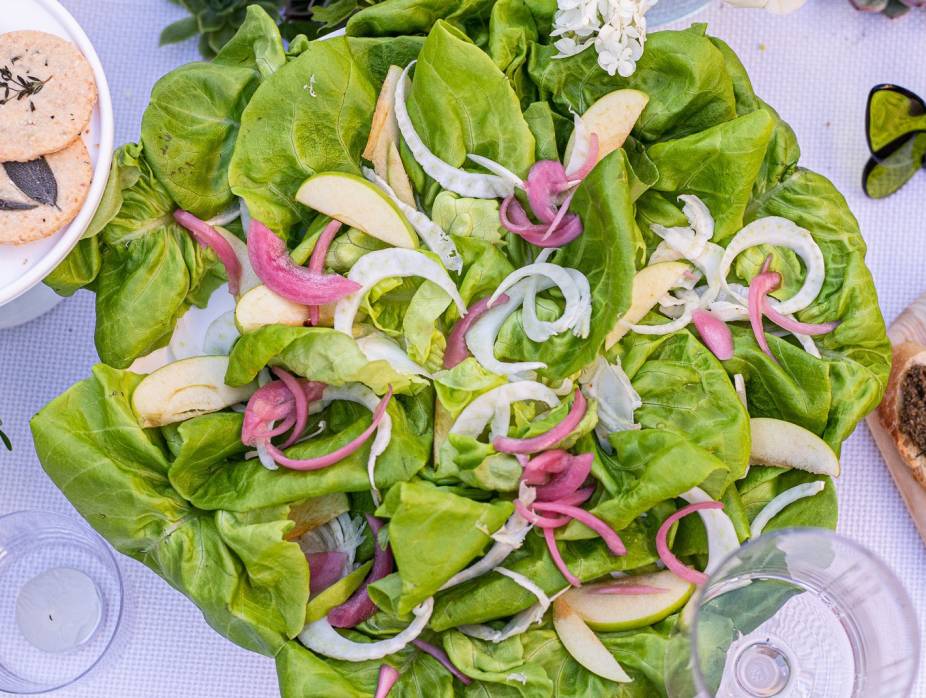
{"points": [[762, 670]]}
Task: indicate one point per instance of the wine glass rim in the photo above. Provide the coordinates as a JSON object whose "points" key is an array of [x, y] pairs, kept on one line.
{"points": [[889, 578], [80, 527]]}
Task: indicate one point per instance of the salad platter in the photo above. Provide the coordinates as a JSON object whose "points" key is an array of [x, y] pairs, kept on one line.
{"points": [[437, 362]]}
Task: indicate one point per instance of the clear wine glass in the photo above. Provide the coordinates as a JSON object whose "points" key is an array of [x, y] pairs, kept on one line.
{"points": [[796, 613], [61, 602]]}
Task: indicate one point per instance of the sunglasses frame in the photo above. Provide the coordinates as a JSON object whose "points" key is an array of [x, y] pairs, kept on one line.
{"points": [[891, 147], [879, 156]]}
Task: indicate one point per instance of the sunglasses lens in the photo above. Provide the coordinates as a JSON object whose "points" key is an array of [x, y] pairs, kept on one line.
{"points": [[882, 178], [893, 113]]}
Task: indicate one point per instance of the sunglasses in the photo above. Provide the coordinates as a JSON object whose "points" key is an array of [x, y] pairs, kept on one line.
{"points": [[895, 125]]}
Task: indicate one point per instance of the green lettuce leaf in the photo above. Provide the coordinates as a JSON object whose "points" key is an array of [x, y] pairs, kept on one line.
{"points": [[191, 124], [210, 471], [317, 353], [683, 73], [398, 17], [434, 534], [151, 270], [312, 115], [605, 253], [250, 584], [461, 103]]}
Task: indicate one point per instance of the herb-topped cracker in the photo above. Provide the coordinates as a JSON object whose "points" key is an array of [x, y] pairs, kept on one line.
{"points": [[39, 197], [47, 93]]}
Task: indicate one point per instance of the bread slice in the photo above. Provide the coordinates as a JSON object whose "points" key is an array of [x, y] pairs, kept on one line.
{"points": [[47, 94], [73, 172], [907, 357]]}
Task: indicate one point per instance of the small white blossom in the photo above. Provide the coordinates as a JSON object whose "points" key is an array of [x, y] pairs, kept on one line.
{"points": [[617, 28]]}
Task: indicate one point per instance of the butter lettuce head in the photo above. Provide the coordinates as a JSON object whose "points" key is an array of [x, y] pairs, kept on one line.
{"points": [[189, 502]]}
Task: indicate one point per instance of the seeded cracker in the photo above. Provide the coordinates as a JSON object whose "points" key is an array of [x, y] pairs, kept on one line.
{"points": [[47, 94], [72, 172]]}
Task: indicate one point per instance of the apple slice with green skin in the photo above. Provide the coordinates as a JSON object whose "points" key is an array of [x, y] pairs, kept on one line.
{"points": [[649, 285], [382, 144], [397, 177], [612, 118], [314, 512], [584, 646], [786, 445], [612, 612], [384, 129], [360, 204], [185, 389], [260, 306]]}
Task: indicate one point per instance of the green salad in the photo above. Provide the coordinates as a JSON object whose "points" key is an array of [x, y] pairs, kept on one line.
{"points": [[437, 363]]}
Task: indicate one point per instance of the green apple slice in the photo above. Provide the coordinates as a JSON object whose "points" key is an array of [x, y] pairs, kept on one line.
{"points": [[185, 389], [649, 285], [384, 129], [612, 118], [584, 646], [260, 306], [314, 512], [360, 204], [397, 177], [786, 445], [612, 612]]}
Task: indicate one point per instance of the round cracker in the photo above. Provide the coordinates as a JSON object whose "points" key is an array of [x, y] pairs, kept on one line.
{"points": [[73, 171], [47, 120]]}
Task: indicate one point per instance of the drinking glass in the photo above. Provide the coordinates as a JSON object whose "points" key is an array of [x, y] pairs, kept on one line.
{"points": [[61, 603], [666, 11], [796, 613]]}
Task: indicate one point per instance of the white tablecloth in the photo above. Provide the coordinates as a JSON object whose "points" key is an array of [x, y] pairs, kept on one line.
{"points": [[815, 67]]}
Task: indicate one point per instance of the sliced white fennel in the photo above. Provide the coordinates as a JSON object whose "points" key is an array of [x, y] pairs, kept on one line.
{"points": [[779, 232], [472, 184], [322, 639], [721, 534], [438, 241], [780, 502], [373, 267]]}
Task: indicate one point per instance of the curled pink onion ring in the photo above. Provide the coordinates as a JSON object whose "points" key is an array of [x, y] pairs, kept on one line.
{"points": [[207, 236], [786, 323], [677, 567], [340, 454], [317, 260], [538, 520], [550, 537], [569, 480], [762, 283], [274, 266], [506, 444], [388, 675], [456, 351], [360, 606], [325, 569], [608, 534], [442, 657]]}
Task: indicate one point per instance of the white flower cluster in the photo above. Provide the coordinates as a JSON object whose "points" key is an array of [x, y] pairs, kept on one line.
{"points": [[617, 28]]}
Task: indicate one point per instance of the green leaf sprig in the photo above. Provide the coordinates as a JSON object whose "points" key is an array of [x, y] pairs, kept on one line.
{"points": [[216, 21]]}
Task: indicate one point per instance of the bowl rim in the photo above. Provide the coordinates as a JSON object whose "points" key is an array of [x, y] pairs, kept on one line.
{"points": [[76, 229]]}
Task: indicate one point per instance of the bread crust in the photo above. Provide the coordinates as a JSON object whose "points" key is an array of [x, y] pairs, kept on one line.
{"points": [[906, 356]]}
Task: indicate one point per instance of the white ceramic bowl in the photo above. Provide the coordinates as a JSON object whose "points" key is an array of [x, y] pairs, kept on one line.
{"points": [[23, 267]]}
